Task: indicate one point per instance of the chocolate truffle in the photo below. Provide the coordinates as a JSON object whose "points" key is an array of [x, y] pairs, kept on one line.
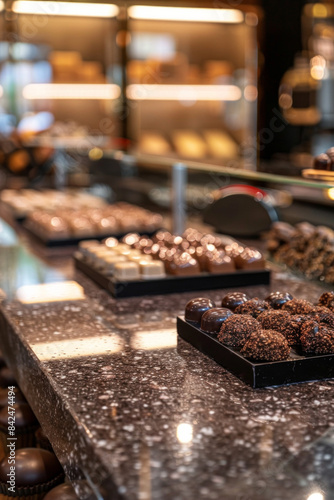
{"points": [[36, 472], [236, 329], [25, 426], [317, 339], [298, 306], [62, 492], [219, 262], [330, 153], [250, 258], [213, 319], [327, 300], [322, 162], [183, 265], [266, 345], [234, 299], [277, 299], [195, 309], [324, 315], [254, 307]]}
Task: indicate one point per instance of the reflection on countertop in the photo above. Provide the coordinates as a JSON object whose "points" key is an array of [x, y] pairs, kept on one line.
{"points": [[142, 415]]}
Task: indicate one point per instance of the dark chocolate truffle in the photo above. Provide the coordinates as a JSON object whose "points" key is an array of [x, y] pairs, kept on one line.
{"points": [[62, 492], [317, 339], [298, 306], [236, 329], [266, 345], [327, 300], [195, 309], [36, 471], [324, 315], [183, 265], [277, 299], [234, 299], [322, 162], [213, 319], [254, 307], [24, 417], [287, 324]]}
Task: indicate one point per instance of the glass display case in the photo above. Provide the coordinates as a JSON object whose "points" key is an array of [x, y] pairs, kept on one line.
{"points": [[192, 83]]}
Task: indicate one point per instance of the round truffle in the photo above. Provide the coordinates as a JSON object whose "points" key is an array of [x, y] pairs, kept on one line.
{"points": [[236, 329], [195, 309], [277, 299], [254, 307], [234, 299], [7, 377], [322, 162], [62, 492], [324, 315], [298, 306], [32, 467], [317, 339], [266, 345], [327, 300], [213, 319], [281, 321]]}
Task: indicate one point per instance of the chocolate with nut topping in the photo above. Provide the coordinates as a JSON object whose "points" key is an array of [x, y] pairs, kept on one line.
{"points": [[254, 307], [236, 330], [266, 345]]}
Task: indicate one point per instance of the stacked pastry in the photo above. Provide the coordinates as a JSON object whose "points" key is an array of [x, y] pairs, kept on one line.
{"points": [[266, 330]]}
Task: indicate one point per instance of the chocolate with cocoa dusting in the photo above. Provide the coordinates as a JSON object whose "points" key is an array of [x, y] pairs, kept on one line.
{"points": [[266, 345], [298, 306], [236, 329], [254, 307], [317, 339]]}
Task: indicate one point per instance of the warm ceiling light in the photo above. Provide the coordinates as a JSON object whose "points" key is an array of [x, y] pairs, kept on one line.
{"points": [[184, 433], [316, 496], [183, 92], [78, 347], [157, 13], [71, 91], [65, 9], [50, 292]]}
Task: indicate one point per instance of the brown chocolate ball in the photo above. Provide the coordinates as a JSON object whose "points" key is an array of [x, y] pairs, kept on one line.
{"points": [[236, 330], [213, 319], [254, 307], [62, 492], [195, 309], [322, 162], [298, 306], [277, 299], [234, 299], [317, 339], [266, 345]]}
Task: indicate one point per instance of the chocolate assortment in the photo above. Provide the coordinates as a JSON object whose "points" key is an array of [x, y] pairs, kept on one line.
{"points": [[175, 263], [74, 224], [304, 248], [249, 338]]}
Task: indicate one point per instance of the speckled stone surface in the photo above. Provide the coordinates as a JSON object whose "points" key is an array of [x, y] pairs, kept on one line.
{"points": [[134, 413]]}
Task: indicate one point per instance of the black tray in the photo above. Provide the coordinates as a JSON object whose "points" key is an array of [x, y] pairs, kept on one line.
{"points": [[173, 284], [62, 242], [297, 368]]}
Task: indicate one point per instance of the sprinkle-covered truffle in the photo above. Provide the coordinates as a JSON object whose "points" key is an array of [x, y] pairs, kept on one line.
{"points": [[236, 330], [327, 300], [254, 307], [298, 306], [317, 339], [266, 345]]}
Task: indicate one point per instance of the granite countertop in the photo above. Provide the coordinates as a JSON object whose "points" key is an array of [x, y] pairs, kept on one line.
{"points": [[135, 413]]}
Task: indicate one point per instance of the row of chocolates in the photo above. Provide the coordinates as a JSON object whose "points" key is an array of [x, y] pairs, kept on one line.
{"points": [[265, 330], [93, 222], [136, 256]]}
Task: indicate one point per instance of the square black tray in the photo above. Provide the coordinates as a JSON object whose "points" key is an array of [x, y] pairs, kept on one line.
{"points": [[297, 368], [173, 284]]}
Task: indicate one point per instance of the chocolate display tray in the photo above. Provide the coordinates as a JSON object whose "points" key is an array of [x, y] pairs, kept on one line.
{"points": [[297, 368], [74, 241], [173, 284]]}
